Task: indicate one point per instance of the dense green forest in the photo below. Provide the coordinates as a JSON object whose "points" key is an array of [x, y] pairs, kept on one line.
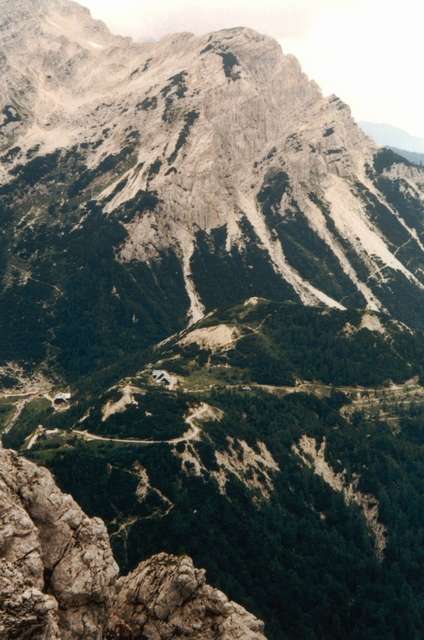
{"points": [[238, 495], [304, 560], [280, 343]]}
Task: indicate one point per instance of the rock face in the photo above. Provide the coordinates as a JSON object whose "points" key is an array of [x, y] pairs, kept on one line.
{"points": [[198, 171], [59, 581], [166, 597], [48, 545], [25, 612]]}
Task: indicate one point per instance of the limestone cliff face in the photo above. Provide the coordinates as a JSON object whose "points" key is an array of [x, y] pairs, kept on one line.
{"points": [[199, 171], [59, 568], [59, 581], [166, 597]]}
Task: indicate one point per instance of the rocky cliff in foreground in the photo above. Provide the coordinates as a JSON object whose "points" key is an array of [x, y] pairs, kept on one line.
{"points": [[59, 581]]}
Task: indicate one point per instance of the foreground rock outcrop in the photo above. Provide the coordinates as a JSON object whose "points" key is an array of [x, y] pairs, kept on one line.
{"points": [[59, 580], [166, 597], [25, 612], [48, 545]]}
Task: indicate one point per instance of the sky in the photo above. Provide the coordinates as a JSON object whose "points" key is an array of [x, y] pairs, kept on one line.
{"points": [[368, 52]]}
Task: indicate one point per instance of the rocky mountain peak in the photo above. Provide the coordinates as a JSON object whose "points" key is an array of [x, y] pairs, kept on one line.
{"points": [[34, 14], [214, 153]]}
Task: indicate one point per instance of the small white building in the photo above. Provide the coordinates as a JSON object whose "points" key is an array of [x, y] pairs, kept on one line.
{"points": [[162, 377]]}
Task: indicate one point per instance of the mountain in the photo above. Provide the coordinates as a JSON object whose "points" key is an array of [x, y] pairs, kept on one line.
{"points": [[402, 143], [211, 333], [281, 447], [389, 136], [59, 580], [144, 185], [415, 158]]}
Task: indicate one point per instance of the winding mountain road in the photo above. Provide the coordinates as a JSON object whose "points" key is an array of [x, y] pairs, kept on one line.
{"points": [[200, 413]]}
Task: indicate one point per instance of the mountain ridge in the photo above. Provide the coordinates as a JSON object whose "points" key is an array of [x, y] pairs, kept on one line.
{"points": [[179, 142], [148, 155], [390, 136], [211, 295], [411, 156]]}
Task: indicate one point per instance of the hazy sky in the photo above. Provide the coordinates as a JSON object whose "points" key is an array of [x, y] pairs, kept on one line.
{"points": [[369, 52]]}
